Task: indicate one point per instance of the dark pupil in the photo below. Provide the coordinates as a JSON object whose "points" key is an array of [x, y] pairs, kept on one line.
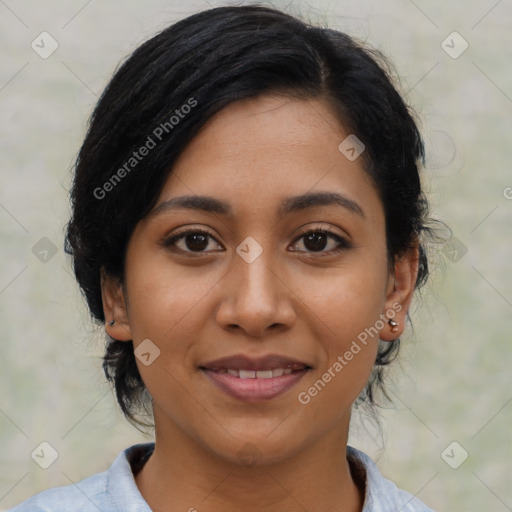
{"points": [[317, 240], [313, 241], [199, 242]]}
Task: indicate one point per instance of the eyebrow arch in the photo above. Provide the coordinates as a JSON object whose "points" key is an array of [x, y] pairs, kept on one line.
{"points": [[290, 204], [313, 199]]}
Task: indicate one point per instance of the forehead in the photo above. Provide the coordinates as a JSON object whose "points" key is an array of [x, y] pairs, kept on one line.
{"points": [[266, 127], [260, 150]]}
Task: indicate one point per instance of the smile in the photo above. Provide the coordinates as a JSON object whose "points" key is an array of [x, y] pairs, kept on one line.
{"points": [[253, 374], [255, 379]]}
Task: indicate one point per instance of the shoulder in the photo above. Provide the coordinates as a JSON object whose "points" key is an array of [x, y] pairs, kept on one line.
{"points": [[382, 495], [111, 491], [87, 495]]}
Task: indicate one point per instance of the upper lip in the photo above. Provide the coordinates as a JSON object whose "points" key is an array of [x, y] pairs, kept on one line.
{"points": [[243, 362]]}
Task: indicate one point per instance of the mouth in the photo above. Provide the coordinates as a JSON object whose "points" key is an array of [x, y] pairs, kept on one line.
{"points": [[255, 379]]}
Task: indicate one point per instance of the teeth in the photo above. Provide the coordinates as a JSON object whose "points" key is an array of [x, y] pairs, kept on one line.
{"points": [[260, 374], [264, 374], [247, 374]]}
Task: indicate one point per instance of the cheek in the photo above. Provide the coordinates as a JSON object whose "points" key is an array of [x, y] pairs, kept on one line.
{"points": [[167, 306], [170, 307], [347, 299], [164, 301], [343, 311]]}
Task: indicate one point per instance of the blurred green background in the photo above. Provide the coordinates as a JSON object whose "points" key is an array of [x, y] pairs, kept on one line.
{"points": [[453, 381]]}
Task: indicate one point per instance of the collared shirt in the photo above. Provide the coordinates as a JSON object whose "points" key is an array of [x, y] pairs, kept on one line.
{"points": [[115, 490]]}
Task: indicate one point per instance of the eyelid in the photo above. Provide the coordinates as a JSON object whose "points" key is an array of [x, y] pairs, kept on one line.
{"points": [[314, 228], [343, 242], [169, 241]]}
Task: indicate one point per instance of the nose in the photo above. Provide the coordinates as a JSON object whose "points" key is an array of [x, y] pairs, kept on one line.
{"points": [[256, 297]]}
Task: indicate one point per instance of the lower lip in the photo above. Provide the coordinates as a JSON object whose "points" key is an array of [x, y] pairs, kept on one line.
{"points": [[254, 390]]}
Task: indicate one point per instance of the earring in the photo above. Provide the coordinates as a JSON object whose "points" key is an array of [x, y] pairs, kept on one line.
{"points": [[394, 325], [112, 322]]}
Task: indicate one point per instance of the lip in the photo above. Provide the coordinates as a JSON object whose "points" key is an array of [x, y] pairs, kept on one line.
{"points": [[254, 390]]}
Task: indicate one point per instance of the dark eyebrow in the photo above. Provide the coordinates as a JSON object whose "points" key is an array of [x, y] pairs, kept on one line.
{"points": [[312, 199], [290, 204], [204, 203]]}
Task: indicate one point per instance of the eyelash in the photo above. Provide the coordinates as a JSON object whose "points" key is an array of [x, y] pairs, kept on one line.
{"points": [[343, 243]]}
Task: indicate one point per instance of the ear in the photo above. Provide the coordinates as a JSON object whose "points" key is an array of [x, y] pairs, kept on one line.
{"points": [[114, 307], [402, 281]]}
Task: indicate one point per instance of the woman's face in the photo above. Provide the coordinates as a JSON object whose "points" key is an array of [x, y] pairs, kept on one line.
{"points": [[255, 279]]}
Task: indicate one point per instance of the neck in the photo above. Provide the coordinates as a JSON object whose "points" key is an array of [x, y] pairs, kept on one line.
{"points": [[183, 475]]}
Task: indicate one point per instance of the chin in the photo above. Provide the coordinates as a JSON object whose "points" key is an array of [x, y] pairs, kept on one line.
{"points": [[249, 451]]}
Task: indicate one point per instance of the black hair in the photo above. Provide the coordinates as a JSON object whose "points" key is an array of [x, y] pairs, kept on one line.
{"points": [[168, 88]]}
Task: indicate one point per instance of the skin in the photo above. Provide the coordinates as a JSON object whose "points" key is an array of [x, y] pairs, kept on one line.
{"points": [[296, 299]]}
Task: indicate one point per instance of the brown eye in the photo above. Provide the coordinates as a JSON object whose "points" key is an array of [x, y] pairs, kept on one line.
{"points": [[194, 241], [316, 240]]}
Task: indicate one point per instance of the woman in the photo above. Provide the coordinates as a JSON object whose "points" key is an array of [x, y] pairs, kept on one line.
{"points": [[247, 223]]}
